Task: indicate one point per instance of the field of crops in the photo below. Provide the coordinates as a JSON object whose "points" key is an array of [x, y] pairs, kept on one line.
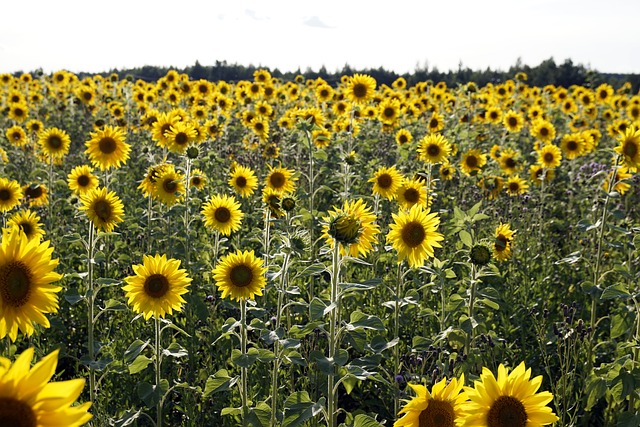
{"points": [[291, 253]]}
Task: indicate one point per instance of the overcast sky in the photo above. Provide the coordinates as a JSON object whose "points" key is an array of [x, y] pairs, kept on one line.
{"points": [[398, 35]]}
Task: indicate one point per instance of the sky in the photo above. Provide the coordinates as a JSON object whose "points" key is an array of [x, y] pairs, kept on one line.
{"points": [[291, 35]]}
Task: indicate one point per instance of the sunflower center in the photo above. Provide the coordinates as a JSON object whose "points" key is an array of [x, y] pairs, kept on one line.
{"points": [[16, 413], [359, 90], [507, 411], [544, 131], [513, 122], [241, 276], [241, 181], [26, 228], [510, 162], [5, 194], [15, 286], [548, 157], [181, 138], [54, 142], [472, 161], [103, 210], [222, 214], [433, 150], [501, 243], [514, 187], [107, 145], [170, 186], [389, 112], [630, 149], [385, 180], [411, 195], [413, 234], [83, 180], [33, 192], [433, 123], [16, 136], [437, 414], [572, 145], [196, 181], [156, 286], [277, 179], [403, 139]]}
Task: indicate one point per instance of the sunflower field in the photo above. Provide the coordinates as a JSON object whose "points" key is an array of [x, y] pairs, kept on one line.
{"points": [[294, 253]]}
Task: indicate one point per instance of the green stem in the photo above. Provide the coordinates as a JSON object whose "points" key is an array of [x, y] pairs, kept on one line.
{"points": [[472, 298], [333, 339], [396, 335], [267, 236], [276, 344], [90, 298], [243, 370], [187, 246], [149, 214], [158, 363]]}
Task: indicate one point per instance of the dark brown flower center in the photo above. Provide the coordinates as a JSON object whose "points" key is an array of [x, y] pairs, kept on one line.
{"points": [[5, 195], [501, 243], [433, 150], [15, 286], [34, 192], [360, 90], [630, 149], [514, 187], [222, 214], [403, 139], [156, 286], [433, 123], [170, 186], [16, 413], [507, 411], [83, 180], [544, 131], [241, 276], [385, 181], [513, 122], [510, 162], [26, 228], [572, 145], [413, 234], [412, 195], [107, 145], [472, 161], [241, 181], [103, 210], [54, 142], [389, 112], [438, 414], [277, 180], [548, 157], [181, 138]]}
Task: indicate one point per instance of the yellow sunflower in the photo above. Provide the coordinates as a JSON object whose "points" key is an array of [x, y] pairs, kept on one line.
{"points": [[353, 226], [26, 222], [510, 400], [414, 235], [629, 148], [403, 136], [223, 214], [513, 121], [573, 145], [386, 182], [619, 184], [107, 148], [36, 194], [54, 142], [509, 161], [157, 287], [161, 126], [491, 186], [179, 136], [543, 130], [10, 194], [535, 174], [472, 161], [443, 407], [436, 122], [169, 187], [29, 399], [197, 179], [434, 148], [360, 88], [103, 208], [273, 201], [412, 192], [151, 178], [516, 186], [447, 171], [16, 136], [26, 290], [240, 275], [81, 180], [549, 156], [504, 235], [243, 180], [280, 180]]}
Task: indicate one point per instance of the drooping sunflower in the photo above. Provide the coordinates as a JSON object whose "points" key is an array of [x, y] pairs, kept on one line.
{"points": [[223, 214], [280, 180], [16, 136], [629, 148], [412, 192], [549, 156], [443, 407], [107, 148], [504, 235], [510, 400], [81, 180], [243, 180], [353, 226], [516, 186], [26, 290], [170, 186], [27, 222], [434, 148], [103, 208], [10, 194], [414, 235], [472, 162], [36, 194], [54, 142], [29, 399], [273, 202], [240, 275], [386, 182], [157, 287], [360, 88]]}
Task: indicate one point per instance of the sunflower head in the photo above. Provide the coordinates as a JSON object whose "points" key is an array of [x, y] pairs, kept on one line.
{"points": [[629, 148], [353, 227], [240, 275], [442, 407], [222, 213], [480, 255], [103, 208]]}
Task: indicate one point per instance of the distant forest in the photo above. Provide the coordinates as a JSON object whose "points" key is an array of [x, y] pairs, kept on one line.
{"points": [[548, 72]]}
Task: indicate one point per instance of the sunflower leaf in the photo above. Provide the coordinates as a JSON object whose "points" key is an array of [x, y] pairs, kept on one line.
{"points": [[219, 382], [363, 420], [139, 364]]}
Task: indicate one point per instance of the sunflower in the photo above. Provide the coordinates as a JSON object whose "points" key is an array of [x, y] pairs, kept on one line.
{"points": [[502, 244], [436, 122], [493, 115], [629, 148], [509, 400], [26, 222], [29, 399], [443, 407], [197, 179], [10, 194], [434, 148], [54, 142], [386, 182], [513, 121], [543, 130], [412, 192], [360, 88], [403, 136], [573, 145], [240, 275], [353, 226], [273, 201], [414, 235], [491, 186], [179, 136], [389, 111], [157, 287], [243, 180], [36, 194], [107, 148], [472, 161], [280, 180], [169, 186], [516, 186], [26, 293], [619, 184], [103, 208], [223, 214], [82, 180], [508, 161], [549, 156], [19, 112], [16, 136], [161, 126], [535, 174], [447, 171]]}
